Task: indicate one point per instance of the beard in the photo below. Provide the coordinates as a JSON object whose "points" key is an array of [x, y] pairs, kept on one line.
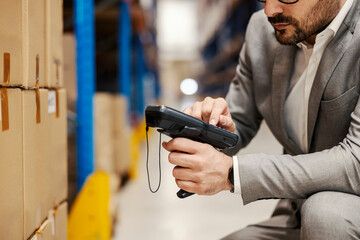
{"points": [[318, 18]]}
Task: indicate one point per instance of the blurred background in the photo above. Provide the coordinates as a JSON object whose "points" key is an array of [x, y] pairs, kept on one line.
{"points": [[119, 57]]}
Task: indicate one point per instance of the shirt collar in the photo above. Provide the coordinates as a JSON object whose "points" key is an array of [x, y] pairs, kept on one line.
{"points": [[335, 24]]}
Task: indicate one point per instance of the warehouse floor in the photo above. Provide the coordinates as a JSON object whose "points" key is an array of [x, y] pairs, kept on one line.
{"points": [[163, 216]]}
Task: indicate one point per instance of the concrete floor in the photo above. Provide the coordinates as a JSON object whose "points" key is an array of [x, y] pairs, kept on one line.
{"points": [[163, 216]]}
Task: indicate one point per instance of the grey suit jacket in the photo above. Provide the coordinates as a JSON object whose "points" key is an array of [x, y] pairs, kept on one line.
{"points": [[258, 92]]}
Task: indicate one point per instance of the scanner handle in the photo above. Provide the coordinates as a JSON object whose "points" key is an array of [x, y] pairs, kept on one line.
{"points": [[188, 132], [183, 194]]}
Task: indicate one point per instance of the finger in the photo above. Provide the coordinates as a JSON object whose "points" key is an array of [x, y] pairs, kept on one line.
{"points": [[207, 108], [188, 110], [188, 186], [196, 110], [181, 159], [181, 145], [227, 123], [184, 174], [219, 108]]}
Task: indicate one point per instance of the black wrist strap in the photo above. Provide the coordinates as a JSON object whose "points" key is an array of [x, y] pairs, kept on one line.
{"points": [[231, 178]]}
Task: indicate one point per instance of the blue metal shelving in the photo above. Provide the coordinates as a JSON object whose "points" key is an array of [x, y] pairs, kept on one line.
{"points": [[85, 52], [139, 74], [124, 50], [132, 70]]}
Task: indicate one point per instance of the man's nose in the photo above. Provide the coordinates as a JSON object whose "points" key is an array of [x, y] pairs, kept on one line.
{"points": [[273, 7]]}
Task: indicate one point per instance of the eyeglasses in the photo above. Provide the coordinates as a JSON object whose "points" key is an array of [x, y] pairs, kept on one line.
{"points": [[282, 1]]}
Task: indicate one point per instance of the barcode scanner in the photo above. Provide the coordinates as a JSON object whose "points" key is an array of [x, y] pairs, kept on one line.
{"points": [[174, 123]]}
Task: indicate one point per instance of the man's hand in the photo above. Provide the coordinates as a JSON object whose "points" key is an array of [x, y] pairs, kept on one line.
{"points": [[213, 111], [200, 168]]}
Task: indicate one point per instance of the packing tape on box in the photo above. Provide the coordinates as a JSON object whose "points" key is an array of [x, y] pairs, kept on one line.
{"points": [[40, 230], [6, 68], [4, 109], [38, 115]]}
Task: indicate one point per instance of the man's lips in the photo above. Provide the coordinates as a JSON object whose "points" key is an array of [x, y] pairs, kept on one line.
{"points": [[280, 26]]}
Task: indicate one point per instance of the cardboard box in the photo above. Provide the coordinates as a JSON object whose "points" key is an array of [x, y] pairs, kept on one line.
{"points": [[72, 183], [44, 156], [11, 170], [57, 145], [112, 134], [122, 136], [37, 201], [54, 43], [22, 43], [104, 131], [70, 70], [61, 218], [33, 177]]}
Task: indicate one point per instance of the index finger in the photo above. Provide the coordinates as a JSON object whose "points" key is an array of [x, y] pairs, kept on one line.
{"points": [[181, 145], [220, 108], [188, 110]]}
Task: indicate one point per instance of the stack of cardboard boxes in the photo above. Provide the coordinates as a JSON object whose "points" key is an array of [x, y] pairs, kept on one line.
{"points": [[33, 147], [112, 142], [69, 66], [112, 130]]}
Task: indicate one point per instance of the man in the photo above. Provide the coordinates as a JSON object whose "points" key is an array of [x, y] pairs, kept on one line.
{"points": [[299, 70]]}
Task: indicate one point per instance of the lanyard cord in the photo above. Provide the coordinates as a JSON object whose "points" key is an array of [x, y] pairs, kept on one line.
{"points": [[147, 161]]}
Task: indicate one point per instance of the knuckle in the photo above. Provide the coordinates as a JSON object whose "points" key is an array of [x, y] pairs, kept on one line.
{"points": [[198, 178], [175, 142], [220, 100], [208, 99], [197, 104], [206, 111], [221, 103], [201, 165], [206, 148], [196, 114]]}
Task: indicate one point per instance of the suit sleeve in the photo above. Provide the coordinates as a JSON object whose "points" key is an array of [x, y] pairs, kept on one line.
{"points": [[294, 177], [241, 100]]}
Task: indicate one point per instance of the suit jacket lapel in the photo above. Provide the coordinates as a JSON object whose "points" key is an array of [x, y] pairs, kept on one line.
{"points": [[330, 59], [281, 76]]}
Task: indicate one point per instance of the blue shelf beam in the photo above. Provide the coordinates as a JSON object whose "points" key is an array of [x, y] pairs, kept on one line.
{"points": [[124, 50], [85, 52]]}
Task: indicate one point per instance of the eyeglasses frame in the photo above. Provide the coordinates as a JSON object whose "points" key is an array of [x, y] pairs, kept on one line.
{"points": [[295, 1]]}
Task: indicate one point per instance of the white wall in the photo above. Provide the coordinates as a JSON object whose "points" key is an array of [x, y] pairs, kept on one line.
{"points": [[177, 29]]}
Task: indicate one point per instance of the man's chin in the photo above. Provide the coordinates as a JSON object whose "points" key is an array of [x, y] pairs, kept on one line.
{"points": [[283, 39]]}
